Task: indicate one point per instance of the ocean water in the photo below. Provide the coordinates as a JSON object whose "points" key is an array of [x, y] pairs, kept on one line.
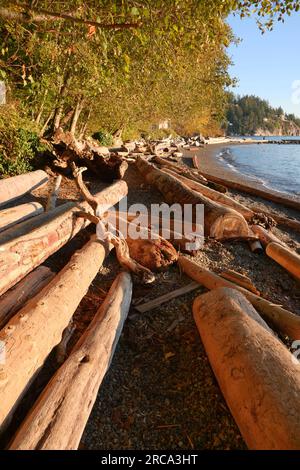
{"points": [[275, 166]]}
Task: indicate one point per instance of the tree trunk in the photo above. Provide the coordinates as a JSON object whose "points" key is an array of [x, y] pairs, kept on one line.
{"points": [[32, 242], [35, 330], [220, 222], [214, 195], [58, 419], [77, 112], [17, 214], [18, 186], [84, 126], [284, 321], [255, 371], [270, 196], [285, 257], [16, 298]]}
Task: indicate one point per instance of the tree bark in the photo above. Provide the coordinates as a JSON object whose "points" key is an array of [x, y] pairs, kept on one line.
{"points": [[255, 371], [35, 330], [270, 196], [16, 297], [26, 247], [15, 215], [285, 257], [220, 222], [283, 320], [17, 186], [58, 419]]}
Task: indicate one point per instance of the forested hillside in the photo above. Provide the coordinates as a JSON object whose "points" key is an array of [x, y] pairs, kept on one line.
{"points": [[97, 65], [250, 115]]}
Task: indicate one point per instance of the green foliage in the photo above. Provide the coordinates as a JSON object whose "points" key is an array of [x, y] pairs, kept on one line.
{"points": [[248, 114], [113, 64], [104, 138], [20, 147]]}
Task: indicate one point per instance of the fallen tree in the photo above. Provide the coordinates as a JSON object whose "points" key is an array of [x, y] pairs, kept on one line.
{"points": [[288, 259], [108, 167], [270, 196], [283, 320], [256, 373], [58, 418], [26, 289], [17, 186], [37, 328], [15, 215], [24, 248], [220, 222]]}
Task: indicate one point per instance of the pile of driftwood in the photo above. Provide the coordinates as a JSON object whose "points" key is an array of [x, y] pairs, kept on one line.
{"points": [[256, 372]]}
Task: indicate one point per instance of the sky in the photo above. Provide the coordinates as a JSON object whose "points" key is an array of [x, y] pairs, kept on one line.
{"points": [[268, 65]]}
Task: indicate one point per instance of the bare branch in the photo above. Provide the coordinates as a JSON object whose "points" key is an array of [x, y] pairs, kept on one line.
{"points": [[40, 15]]}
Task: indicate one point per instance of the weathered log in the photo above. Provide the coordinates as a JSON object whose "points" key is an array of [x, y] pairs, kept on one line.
{"points": [[189, 173], [37, 328], [288, 259], [16, 298], [220, 222], [152, 304], [265, 236], [18, 186], [283, 320], [214, 195], [281, 220], [23, 249], [58, 419], [17, 214], [162, 239], [256, 373], [270, 196], [179, 170], [240, 279]]}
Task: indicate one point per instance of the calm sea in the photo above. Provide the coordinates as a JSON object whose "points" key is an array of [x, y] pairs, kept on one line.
{"points": [[276, 166]]}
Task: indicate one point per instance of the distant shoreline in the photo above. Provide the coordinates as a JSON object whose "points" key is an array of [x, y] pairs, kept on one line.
{"points": [[211, 164]]}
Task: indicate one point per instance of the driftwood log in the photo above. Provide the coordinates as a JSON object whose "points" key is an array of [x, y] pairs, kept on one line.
{"points": [[16, 297], [58, 419], [15, 215], [283, 320], [189, 173], [220, 222], [288, 259], [107, 167], [270, 196], [240, 279], [256, 372], [214, 195], [17, 186], [26, 247], [37, 328], [265, 236]]}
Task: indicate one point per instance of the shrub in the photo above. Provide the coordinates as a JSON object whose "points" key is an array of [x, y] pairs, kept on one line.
{"points": [[20, 146], [104, 138]]}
